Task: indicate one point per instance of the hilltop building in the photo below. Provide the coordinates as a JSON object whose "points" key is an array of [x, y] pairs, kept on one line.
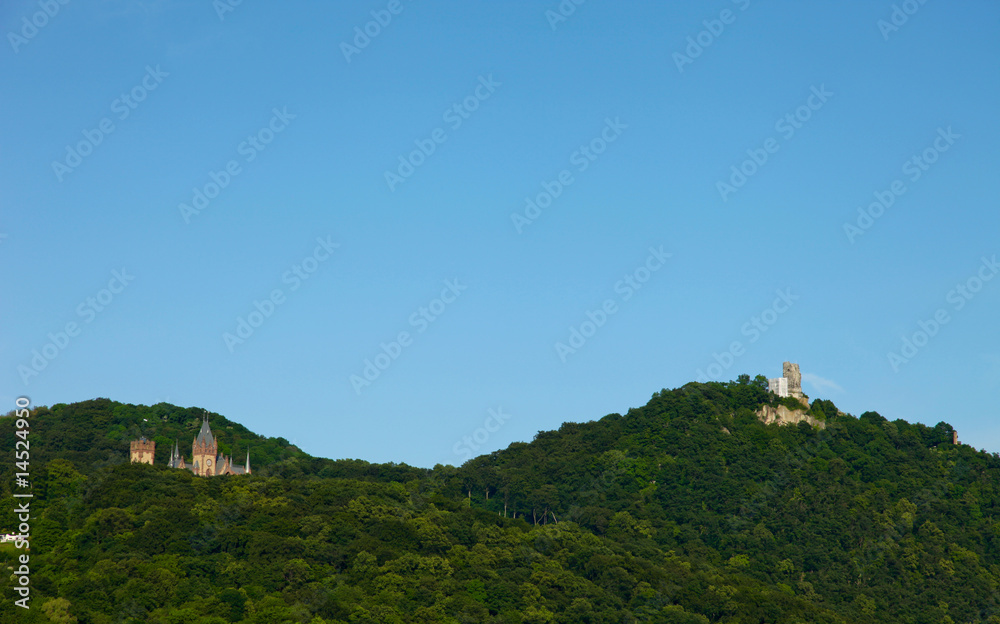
{"points": [[205, 458], [778, 386], [142, 451], [790, 382], [788, 385]]}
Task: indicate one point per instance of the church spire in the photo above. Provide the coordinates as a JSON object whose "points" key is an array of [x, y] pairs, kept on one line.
{"points": [[205, 435]]}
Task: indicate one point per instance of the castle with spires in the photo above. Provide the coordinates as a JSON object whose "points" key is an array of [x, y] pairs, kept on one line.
{"points": [[205, 458]]}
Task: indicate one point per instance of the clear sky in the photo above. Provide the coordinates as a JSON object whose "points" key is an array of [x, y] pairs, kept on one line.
{"points": [[365, 242]]}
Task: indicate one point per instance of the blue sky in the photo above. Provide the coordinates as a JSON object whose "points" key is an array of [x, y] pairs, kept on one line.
{"points": [[240, 207]]}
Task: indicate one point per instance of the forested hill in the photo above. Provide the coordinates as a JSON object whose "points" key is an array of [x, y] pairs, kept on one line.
{"points": [[98, 432], [686, 510], [883, 519]]}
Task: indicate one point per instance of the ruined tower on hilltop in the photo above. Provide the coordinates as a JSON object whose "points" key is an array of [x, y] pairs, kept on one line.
{"points": [[788, 385], [790, 382], [142, 451], [791, 372]]}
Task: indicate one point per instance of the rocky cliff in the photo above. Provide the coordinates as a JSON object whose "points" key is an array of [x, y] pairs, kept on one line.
{"points": [[783, 416]]}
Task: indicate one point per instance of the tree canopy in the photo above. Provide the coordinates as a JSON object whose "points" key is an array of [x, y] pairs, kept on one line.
{"points": [[685, 510]]}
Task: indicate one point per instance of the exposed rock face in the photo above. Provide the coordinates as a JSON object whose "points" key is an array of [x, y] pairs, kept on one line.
{"points": [[784, 416], [791, 372]]}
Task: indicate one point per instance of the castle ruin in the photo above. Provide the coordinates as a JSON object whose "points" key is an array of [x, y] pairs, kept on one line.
{"points": [[790, 382]]}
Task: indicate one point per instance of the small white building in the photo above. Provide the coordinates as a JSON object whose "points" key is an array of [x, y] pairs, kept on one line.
{"points": [[778, 386]]}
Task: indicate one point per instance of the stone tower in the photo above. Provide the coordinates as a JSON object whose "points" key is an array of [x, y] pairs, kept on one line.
{"points": [[142, 451], [791, 372], [204, 452]]}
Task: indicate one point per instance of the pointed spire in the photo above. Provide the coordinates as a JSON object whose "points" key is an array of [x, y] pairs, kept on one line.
{"points": [[248, 462], [205, 435]]}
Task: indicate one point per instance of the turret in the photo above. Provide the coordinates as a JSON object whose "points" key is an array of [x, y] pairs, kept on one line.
{"points": [[142, 451], [176, 460]]}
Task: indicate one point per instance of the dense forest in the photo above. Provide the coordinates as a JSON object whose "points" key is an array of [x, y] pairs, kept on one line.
{"points": [[688, 510]]}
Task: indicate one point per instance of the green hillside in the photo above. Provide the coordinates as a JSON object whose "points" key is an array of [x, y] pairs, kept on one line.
{"points": [[98, 432], [686, 510]]}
